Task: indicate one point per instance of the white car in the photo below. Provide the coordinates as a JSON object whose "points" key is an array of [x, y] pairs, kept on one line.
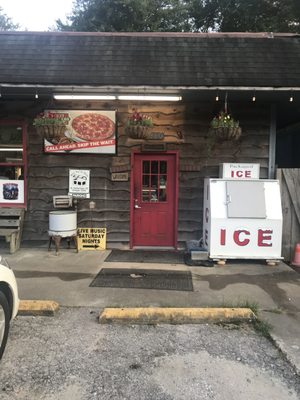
{"points": [[9, 301]]}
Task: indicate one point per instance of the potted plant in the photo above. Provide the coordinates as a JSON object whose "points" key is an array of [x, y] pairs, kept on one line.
{"points": [[51, 125], [138, 125], [225, 127]]}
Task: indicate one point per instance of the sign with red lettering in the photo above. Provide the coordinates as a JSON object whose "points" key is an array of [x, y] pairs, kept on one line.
{"points": [[239, 171], [243, 235], [77, 131]]}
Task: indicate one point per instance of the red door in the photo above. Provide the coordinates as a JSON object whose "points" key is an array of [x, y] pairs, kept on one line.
{"points": [[154, 200]]}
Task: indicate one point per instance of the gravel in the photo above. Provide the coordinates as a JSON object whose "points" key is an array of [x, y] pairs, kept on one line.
{"points": [[71, 356]]}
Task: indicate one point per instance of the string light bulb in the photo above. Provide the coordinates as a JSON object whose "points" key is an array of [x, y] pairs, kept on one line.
{"points": [[217, 96], [36, 95], [254, 97], [291, 98]]}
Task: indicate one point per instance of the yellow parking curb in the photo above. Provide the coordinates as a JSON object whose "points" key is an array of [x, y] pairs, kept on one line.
{"points": [[38, 307], [158, 315]]}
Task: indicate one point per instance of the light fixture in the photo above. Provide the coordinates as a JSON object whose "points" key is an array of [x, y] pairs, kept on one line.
{"points": [[217, 96], [291, 98], [83, 97], [150, 97], [254, 97], [36, 95]]}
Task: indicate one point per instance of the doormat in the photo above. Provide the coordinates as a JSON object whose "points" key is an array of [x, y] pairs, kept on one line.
{"points": [[144, 279], [146, 256]]}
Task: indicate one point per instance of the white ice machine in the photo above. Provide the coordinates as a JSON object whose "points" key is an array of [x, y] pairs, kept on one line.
{"points": [[242, 219]]}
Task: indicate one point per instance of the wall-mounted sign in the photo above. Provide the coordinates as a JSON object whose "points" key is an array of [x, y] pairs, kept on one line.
{"points": [[91, 238], [79, 183], [155, 136], [119, 176], [239, 171], [12, 191], [78, 131]]}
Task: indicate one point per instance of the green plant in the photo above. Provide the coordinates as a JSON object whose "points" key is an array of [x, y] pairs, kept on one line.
{"points": [[224, 120], [254, 307], [137, 119], [262, 327], [51, 118], [274, 310], [224, 127]]}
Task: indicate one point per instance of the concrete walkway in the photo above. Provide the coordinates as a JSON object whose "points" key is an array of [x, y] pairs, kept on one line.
{"points": [[66, 278]]}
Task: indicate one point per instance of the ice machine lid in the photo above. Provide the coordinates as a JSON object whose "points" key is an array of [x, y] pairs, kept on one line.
{"points": [[245, 199]]}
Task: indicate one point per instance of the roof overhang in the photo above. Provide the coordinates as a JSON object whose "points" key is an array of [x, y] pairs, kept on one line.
{"points": [[264, 93]]}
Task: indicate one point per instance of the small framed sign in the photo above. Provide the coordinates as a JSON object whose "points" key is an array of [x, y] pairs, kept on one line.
{"points": [[239, 171], [79, 183], [119, 176], [91, 238], [12, 191]]}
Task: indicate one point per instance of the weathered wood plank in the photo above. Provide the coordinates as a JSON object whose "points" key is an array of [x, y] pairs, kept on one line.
{"points": [[294, 235], [289, 197], [292, 179], [11, 212], [287, 217]]}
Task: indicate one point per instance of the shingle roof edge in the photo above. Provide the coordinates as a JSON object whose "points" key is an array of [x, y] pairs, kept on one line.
{"points": [[255, 35]]}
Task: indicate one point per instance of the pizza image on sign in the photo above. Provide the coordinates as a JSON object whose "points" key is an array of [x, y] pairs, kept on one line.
{"points": [[92, 126], [85, 131]]}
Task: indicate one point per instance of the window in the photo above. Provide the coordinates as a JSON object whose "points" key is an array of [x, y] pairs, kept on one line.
{"points": [[12, 163], [154, 181]]}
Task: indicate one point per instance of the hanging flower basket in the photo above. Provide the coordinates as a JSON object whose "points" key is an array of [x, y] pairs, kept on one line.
{"points": [[51, 126], [224, 127], [137, 131], [138, 126]]}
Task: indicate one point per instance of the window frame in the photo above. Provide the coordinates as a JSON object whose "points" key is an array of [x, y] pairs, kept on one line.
{"points": [[23, 164]]}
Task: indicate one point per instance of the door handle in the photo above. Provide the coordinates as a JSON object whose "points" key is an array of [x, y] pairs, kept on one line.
{"points": [[228, 199], [136, 204]]}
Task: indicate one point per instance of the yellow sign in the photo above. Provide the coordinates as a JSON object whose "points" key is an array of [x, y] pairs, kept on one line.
{"points": [[91, 238]]}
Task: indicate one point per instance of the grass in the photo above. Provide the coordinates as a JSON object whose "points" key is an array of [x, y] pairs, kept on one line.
{"points": [[274, 310], [261, 327], [242, 304]]}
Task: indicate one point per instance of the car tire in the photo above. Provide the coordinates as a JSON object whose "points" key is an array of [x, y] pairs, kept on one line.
{"points": [[4, 322]]}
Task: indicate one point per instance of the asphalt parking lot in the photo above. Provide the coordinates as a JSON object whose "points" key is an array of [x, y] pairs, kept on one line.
{"points": [[72, 356]]}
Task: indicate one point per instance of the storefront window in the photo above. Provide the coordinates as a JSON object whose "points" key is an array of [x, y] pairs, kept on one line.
{"points": [[12, 163]]}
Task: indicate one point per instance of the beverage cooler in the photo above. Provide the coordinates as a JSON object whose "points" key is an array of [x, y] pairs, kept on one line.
{"points": [[242, 219]]}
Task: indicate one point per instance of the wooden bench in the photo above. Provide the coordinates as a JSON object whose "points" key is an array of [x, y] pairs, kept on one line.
{"points": [[11, 226]]}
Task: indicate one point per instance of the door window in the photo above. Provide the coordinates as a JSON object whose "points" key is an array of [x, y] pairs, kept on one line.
{"points": [[154, 178]]}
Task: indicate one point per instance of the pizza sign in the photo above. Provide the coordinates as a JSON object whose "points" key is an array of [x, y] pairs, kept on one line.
{"points": [[83, 131]]}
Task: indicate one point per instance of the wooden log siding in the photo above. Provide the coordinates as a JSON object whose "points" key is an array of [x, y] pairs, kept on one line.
{"points": [[289, 179], [48, 173]]}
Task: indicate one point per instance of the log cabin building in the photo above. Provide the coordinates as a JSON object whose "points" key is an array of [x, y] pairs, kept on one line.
{"points": [[146, 183]]}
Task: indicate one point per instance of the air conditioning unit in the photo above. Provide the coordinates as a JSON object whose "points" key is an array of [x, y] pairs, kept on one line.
{"points": [[62, 201]]}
